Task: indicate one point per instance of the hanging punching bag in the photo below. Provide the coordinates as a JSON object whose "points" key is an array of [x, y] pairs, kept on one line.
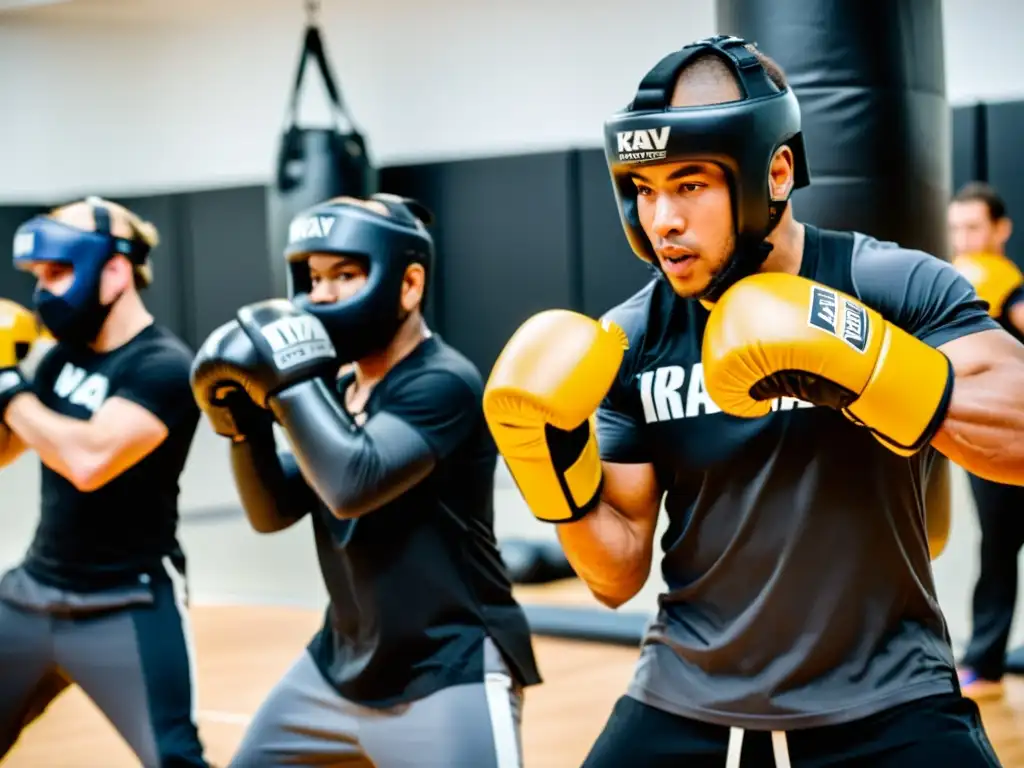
{"points": [[870, 78], [313, 164]]}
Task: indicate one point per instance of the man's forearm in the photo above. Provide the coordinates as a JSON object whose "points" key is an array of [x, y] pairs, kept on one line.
{"points": [[274, 497], [608, 553], [984, 427], [68, 446]]}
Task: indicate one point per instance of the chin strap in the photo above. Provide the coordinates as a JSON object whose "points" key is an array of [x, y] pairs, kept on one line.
{"points": [[745, 261], [747, 258]]}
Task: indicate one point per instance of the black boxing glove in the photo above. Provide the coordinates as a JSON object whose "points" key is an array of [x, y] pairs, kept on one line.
{"points": [[221, 373], [291, 346]]}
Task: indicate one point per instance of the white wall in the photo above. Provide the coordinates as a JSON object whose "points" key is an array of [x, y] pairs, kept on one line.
{"points": [[131, 96], [155, 94]]}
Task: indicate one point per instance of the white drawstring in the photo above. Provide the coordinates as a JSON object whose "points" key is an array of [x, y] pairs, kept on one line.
{"points": [[732, 757], [780, 748]]}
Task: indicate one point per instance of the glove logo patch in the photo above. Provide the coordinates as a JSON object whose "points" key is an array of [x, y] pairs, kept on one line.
{"points": [[845, 319], [297, 340]]}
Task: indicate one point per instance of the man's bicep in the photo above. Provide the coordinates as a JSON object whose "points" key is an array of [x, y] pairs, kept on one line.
{"points": [[633, 491]]}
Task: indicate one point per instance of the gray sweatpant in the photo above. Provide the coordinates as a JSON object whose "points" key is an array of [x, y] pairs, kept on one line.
{"points": [[134, 661], [304, 721]]}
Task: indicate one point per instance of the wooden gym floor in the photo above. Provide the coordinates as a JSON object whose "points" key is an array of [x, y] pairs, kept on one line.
{"points": [[243, 650]]}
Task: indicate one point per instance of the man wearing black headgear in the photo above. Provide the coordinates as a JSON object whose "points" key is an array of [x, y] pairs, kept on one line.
{"points": [[423, 652], [787, 392], [100, 599]]}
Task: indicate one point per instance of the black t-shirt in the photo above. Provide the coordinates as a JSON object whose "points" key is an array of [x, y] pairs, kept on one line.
{"points": [[111, 536], [1015, 297], [800, 588], [417, 585]]}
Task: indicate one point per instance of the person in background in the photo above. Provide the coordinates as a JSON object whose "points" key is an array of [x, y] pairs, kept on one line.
{"points": [[979, 228], [100, 598]]}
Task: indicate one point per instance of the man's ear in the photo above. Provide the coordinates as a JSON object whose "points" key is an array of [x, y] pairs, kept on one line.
{"points": [[1004, 229], [781, 176], [413, 285]]}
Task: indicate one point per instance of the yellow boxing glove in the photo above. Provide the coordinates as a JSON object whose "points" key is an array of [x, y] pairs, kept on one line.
{"points": [[19, 330], [774, 334], [993, 276], [539, 402]]}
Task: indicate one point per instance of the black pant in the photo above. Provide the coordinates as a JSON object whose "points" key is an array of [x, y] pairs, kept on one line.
{"points": [[937, 732], [1001, 515], [133, 662]]}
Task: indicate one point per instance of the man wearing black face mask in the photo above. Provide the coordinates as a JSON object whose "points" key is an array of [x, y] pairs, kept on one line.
{"points": [[99, 598]]}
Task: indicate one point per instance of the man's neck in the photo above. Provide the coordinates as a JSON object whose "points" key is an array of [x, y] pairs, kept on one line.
{"points": [[787, 246], [373, 368], [126, 320]]}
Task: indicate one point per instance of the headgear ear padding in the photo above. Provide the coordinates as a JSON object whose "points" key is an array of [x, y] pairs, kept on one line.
{"points": [[870, 79]]}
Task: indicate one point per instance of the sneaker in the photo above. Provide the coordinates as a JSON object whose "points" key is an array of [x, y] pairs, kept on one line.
{"points": [[978, 688]]}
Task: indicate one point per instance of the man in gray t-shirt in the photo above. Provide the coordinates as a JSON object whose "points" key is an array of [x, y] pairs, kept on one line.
{"points": [[788, 391]]}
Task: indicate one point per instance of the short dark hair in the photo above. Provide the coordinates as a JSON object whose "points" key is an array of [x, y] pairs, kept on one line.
{"points": [[979, 191], [711, 66], [775, 73]]}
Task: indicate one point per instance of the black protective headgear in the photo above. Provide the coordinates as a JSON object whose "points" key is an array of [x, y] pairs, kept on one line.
{"points": [[386, 245], [740, 136]]}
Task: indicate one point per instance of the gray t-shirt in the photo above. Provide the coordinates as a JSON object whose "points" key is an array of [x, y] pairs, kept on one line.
{"points": [[800, 589]]}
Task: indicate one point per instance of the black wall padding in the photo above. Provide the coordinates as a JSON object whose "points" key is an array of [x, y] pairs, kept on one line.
{"points": [[592, 624], [969, 145], [225, 244], [505, 241], [611, 271], [14, 285], [870, 77], [1006, 165], [167, 298]]}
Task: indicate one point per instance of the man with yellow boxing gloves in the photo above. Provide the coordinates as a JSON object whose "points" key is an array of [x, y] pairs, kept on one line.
{"points": [[979, 229], [786, 391]]}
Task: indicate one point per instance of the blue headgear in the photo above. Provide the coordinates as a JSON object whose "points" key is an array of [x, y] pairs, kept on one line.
{"points": [[76, 316], [739, 136], [386, 245]]}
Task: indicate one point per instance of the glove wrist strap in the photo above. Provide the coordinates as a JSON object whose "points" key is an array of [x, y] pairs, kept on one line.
{"points": [[578, 468]]}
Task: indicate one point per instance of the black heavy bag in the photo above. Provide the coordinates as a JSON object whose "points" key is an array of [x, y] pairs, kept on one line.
{"points": [[870, 78], [314, 164]]}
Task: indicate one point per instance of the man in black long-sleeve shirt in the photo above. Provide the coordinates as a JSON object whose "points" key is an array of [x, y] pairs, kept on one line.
{"points": [[423, 651]]}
